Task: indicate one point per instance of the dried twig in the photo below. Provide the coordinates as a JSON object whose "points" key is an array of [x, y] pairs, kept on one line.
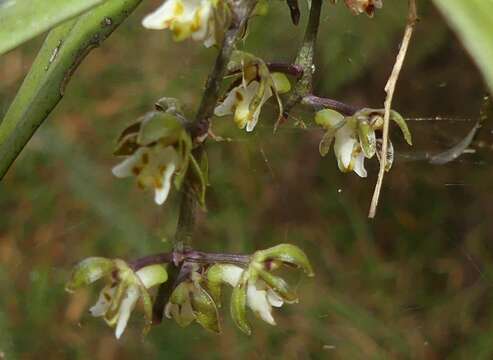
{"points": [[389, 89]]}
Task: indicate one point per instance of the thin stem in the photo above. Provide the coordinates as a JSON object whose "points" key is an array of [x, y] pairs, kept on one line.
{"points": [[199, 130], [163, 258], [305, 58], [389, 89], [191, 256], [319, 103], [211, 94], [288, 69], [213, 258]]}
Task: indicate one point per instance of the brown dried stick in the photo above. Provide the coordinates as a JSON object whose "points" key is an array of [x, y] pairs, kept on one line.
{"points": [[389, 89]]}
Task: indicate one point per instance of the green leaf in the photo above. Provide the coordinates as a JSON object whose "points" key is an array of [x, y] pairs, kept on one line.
{"points": [[63, 50], [22, 20], [473, 22]]}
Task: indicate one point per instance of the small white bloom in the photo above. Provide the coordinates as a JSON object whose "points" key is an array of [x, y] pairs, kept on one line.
{"points": [[348, 151], [154, 168], [199, 19], [238, 102], [117, 300], [355, 137], [260, 297]]}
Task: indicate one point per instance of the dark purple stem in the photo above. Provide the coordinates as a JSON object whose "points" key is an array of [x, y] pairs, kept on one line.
{"points": [[176, 258], [325, 103], [289, 69]]}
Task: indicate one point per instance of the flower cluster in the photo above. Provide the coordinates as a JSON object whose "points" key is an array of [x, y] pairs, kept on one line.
{"points": [[157, 149], [197, 296], [123, 290], [252, 86], [355, 137], [202, 20]]}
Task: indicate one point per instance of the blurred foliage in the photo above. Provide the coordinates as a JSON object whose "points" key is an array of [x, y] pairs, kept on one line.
{"points": [[22, 20], [473, 21], [414, 283]]}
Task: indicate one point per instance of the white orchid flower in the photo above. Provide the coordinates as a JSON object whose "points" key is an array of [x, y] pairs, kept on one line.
{"points": [[355, 137], [252, 88], [238, 102], [202, 20], [154, 168], [260, 298], [118, 298], [348, 151]]}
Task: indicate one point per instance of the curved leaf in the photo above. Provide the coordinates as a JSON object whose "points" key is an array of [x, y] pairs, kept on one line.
{"points": [[63, 50], [22, 20], [473, 22]]}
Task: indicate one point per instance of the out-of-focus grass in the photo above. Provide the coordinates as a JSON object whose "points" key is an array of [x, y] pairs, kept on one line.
{"points": [[414, 283]]}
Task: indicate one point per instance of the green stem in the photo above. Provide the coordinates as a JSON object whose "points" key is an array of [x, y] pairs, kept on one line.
{"points": [[62, 52], [305, 58]]}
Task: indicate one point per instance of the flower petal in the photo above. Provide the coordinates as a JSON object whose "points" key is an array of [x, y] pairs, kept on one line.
{"points": [[359, 165], [104, 301], [126, 307], [257, 301], [254, 118], [161, 17], [130, 165], [274, 299], [161, 193], [343, 147]]}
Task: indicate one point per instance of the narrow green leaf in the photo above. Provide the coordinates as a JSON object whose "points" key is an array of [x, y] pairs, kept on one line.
{"points": [[62, 52], [473, 22], [21, 20]]}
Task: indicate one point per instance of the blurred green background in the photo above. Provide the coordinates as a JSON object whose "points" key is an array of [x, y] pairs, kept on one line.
{"points": [[413, 283]]}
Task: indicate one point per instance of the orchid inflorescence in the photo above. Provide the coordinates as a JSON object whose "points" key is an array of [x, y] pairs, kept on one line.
{"points": [[163, 150], [197, 296]]}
